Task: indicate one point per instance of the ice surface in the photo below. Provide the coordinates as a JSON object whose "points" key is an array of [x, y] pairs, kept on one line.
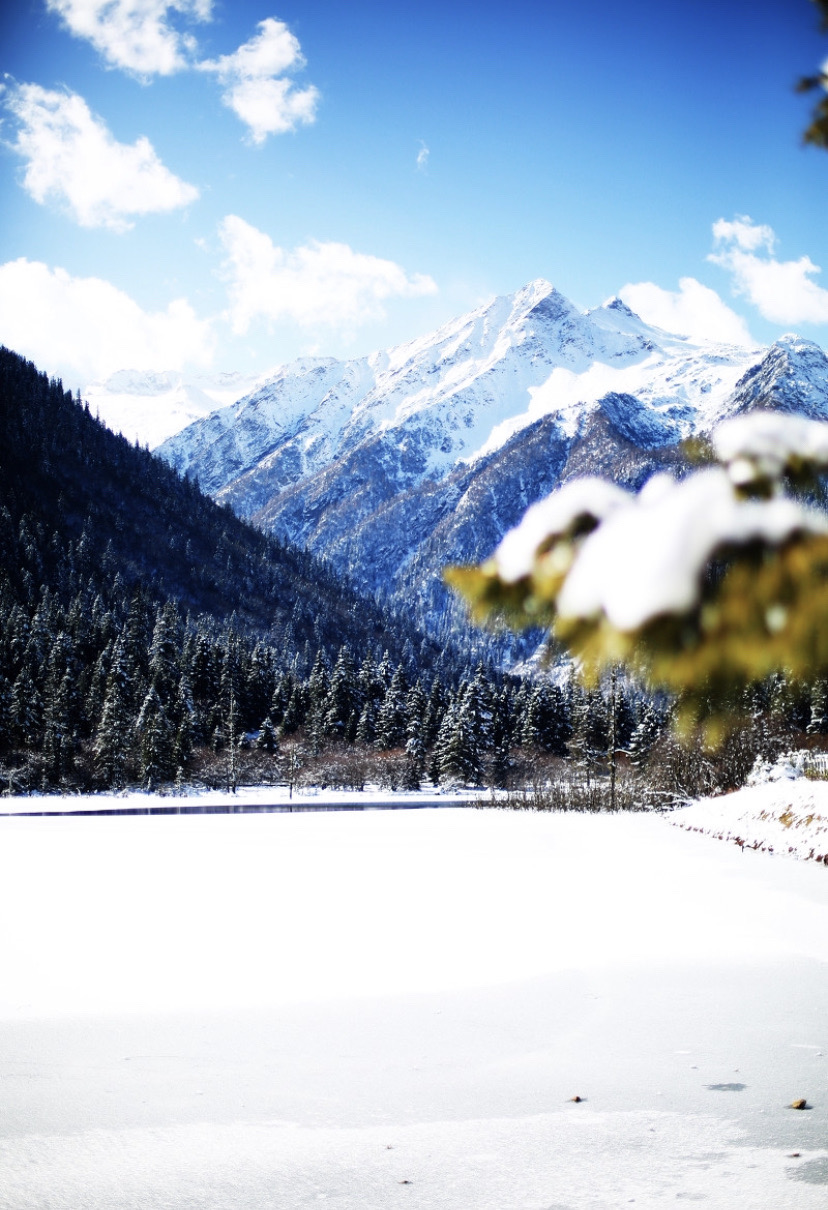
{"points": [[367, 1010]]}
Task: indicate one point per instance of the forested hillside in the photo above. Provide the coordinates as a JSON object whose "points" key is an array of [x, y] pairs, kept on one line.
{"points": [[148, 635], [92, 506], [99, 540]]}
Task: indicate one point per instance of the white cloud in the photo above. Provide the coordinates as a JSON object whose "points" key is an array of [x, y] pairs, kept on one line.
{"points": [[254, 85], [783, 291], [693, 310], [72, 158], [271, 106], [318, 284], [422, 156], [744, 233], [135, 35], [83, 328]]}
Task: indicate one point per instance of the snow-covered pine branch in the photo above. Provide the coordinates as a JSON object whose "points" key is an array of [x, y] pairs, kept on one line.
{"points": [[703, 585]]}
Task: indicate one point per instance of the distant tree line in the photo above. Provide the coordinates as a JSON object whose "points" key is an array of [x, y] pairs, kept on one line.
{"points": [[104, 688], [109, 689]]}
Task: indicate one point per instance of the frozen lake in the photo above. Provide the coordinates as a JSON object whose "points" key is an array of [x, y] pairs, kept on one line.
{"points": [[371, 1010]]}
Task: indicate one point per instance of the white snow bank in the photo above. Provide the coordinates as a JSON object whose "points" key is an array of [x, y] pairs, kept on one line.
{"points": [[788, 815]]}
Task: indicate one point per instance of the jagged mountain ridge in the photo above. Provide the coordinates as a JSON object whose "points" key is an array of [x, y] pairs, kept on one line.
{"points": [[394, 464]]}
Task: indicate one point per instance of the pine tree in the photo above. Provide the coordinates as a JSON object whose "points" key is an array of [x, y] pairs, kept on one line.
{"points": [[532, 720], [455, 758], [500, 763], [818, 722], [588, 742], [259, 684], [267, 741], [296, 711], [114, 738], [434, 713], [164, 664], [370, 685], [200, 667], [280, 700], [231, 678], [342, 700], [5, 714], [184, 719], [233, 744], [366, 732], [415, 752], [26, 709], [157, 741], [317, 693], [644, 735], [392, 719]]}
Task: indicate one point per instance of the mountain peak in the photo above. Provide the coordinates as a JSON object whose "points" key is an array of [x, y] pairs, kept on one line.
{"points": [[617, 304], [536, 289], [542, 300], [798, 345], [423, 454]]}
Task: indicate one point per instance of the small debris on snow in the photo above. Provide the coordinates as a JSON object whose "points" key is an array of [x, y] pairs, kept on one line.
{"points": [[799, 1104]]}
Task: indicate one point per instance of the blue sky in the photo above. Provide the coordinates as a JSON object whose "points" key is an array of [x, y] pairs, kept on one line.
{"points": [[217, 185]]}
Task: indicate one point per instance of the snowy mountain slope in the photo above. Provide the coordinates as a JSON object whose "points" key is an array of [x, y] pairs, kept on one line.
{"points": [[447, 392], [792, 377], [455, 395], [151, 407], [394, 464]]}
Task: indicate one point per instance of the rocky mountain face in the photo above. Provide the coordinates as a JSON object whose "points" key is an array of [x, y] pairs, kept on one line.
{"points": [[396, 464]]}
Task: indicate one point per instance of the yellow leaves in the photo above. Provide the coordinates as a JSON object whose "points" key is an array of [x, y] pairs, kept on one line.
{"points": [[529, 601], [767, 613], [490, 599]]}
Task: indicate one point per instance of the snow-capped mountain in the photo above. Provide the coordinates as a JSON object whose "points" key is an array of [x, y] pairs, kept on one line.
{"points": [[394, 464], [158, 405]]}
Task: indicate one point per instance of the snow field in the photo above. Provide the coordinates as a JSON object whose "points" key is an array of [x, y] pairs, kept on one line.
{"points": [[295, 1010]]}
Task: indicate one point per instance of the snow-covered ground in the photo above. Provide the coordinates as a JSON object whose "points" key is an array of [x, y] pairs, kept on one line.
{"points": [[787, 817], [381, 1009]]}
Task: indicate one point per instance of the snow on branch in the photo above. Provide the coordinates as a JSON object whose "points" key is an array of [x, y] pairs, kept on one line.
{"points": [[766, 445], [705, 584], [649, 559]]}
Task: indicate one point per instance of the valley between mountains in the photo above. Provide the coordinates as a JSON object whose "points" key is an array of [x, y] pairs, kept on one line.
{"points": [[393, 465]]}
